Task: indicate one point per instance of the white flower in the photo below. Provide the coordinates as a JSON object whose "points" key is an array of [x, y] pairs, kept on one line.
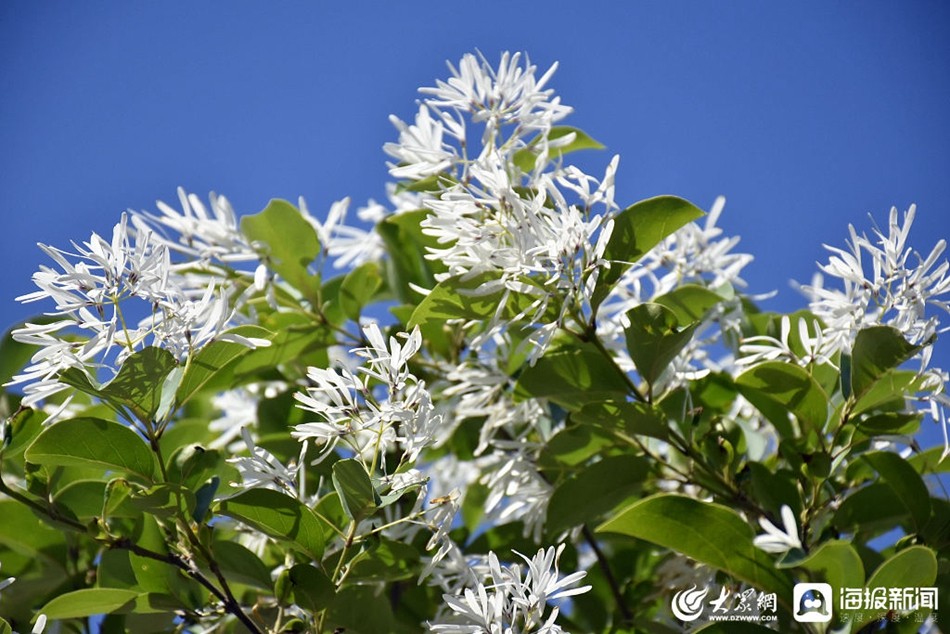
{"points": [[763, 348], [505, 602], [420, 151], [348, 245], [510, 94], [892, 290], [202, 235], [776, 540], [263, 470]]}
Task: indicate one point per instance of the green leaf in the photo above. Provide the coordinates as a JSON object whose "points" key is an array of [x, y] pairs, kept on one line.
{"points": [[386, 560], [788, 387], [872, 509], [654, 338], [241, 565], [406, 246], [83, 498], [525, 158], [634, 419], [691, 302], [312, 589], [912, 567], [359, 610], [573, 446], [280, 516], [904, 480], [211, 363], [889, 391], [572, 375], [877, 350], [136, 389], [594, 491], [92, 442], [637, 229], [354, 487], [289, 242], [5, 627], [88, 602], [464, 297], [709, 533], [837, 563], [358, 288]]}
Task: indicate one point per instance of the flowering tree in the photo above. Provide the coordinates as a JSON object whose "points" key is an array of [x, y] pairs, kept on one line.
{"points": [[501, 402]]}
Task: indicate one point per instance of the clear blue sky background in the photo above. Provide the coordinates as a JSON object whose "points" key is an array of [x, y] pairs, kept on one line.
{"points": [[806, 115]]}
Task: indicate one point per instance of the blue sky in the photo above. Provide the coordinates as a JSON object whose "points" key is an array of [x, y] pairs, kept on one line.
{"points": [[807, 116]]}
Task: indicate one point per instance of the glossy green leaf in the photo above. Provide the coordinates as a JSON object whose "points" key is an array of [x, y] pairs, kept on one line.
{"points": [[211, 364], [5, 627], [312, 589], [289, 243], [889, 391], [637, 229], [572, 374], [458, 297], [788, 387], [354, 487], [877, 350], [597, 489], [691, 302], [654, 338], [837, 563], [904, 480], [88, 602], [526, 157], [92, 442], [241, 565], [136, 390], [914, 567], [709, 533], [82, 498], [358, 288], [280, 516]]}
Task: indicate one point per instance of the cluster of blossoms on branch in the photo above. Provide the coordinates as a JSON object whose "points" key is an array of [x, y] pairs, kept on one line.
{"points": [[364, 424]]}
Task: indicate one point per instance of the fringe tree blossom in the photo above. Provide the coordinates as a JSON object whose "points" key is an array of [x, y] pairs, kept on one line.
{"points": [[509, 602], [893, 289], [779, 540]]}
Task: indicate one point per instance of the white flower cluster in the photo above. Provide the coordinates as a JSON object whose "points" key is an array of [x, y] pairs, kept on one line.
{"points": [[883, 281], [115, 297], [375, 410], [509, 600]]}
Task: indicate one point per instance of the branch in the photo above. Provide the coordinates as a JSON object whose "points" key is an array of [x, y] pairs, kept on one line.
{"points": [[608, 574]]}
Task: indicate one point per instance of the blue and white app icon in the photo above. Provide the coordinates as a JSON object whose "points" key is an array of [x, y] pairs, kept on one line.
{"points": [[812, 602]]}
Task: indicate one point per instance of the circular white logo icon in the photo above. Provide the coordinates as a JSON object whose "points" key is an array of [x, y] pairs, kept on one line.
{"points": [[688, 604]]}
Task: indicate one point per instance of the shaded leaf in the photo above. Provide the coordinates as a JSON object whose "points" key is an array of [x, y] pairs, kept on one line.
{"points": [[654, 338], [354, 487], [877, 350], [709, 533], [594, 491], [572, 374]]}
